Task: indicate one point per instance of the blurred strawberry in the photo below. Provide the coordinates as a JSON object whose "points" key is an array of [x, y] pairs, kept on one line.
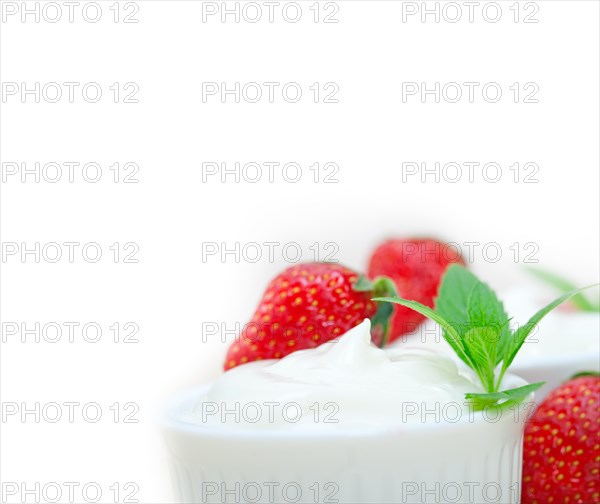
{"points": [[416, 267], [305, 306], [561, 451]]}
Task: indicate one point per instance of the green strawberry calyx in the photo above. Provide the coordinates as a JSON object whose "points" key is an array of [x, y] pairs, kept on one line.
{"points": [[583, 374], [380, 287], [476, 326]]}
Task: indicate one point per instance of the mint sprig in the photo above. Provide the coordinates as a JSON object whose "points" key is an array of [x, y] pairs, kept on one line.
{"points": [[476, 326]]}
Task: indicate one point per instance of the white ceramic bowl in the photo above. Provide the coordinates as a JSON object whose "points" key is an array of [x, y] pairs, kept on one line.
{"points": [[476, 459]]}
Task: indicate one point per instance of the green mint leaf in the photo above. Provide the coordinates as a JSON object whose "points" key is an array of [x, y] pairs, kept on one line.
{"points": [[453, 296], [485, 310], [508, 397], [478, 317], [483, 307], [520, 335], [505, 340], [450, 333], [481, 344], [564, 285], [516, 393]]}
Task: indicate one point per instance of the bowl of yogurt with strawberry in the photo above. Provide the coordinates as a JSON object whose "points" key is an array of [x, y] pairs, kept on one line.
{"points": [[345, 422]]}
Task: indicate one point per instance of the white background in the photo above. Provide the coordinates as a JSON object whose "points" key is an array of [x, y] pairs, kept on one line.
{"points": [[171, 211]]}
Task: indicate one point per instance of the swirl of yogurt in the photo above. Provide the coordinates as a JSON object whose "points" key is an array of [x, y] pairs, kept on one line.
{"points": [[346, 383]]}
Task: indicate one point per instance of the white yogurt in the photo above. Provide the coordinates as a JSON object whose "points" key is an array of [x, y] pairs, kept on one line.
{"points": [[347, 383]]}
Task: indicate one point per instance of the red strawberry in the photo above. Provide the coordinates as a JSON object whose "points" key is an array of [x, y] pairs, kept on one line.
{"points": [[303, 307], [562, 446], [416, 266]]}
